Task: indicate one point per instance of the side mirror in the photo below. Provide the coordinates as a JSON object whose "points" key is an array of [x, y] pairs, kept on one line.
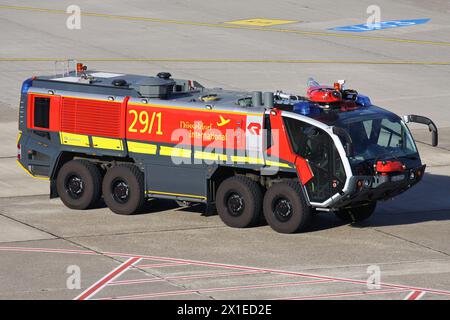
{"points": [[424, 120], [348, 140]]}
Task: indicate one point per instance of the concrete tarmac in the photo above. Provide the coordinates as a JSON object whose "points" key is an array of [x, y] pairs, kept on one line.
{"points": [[170, 252]]}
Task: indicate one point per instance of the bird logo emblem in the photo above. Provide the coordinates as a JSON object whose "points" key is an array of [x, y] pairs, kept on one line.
{"points": [[223, 121]]}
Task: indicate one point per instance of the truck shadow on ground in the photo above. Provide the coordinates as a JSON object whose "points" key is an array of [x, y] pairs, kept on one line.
{"points": [[428, 201]]}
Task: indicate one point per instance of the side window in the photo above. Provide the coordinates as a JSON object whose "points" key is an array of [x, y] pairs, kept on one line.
{"points": [[317, 147], [295, 129], [41, 115]]}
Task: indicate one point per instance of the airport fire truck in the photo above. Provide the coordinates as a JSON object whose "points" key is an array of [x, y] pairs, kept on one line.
{"points": [[280, 157]]}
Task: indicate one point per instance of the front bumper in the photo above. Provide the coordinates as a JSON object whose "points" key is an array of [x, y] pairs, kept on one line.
{"points": [[363, 189]]}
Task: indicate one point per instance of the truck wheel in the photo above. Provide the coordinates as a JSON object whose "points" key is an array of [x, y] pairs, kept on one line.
{"points": [[123, 189], [285, 208], [79, 184], [356, 214], [238, 202]]}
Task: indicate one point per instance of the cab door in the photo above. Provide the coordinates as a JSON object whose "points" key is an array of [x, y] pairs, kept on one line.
{"points": [[316, 147]]}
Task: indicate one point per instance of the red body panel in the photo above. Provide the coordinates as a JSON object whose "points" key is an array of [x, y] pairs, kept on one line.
{"points": [[303, 169], [283, 149], [91, 117], [181, 126]]}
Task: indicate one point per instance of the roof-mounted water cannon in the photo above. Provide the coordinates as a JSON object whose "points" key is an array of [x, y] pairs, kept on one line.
{"points": [[323, 94]]}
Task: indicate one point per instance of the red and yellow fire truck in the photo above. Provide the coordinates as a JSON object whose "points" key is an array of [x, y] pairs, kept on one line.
{"points": [[128, 138]]}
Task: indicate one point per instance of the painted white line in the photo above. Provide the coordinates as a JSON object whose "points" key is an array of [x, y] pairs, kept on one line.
{"points": [[100, 284], [343, 294], [281, 272], [187, 277], [219, 289], [161, 265], [226, 266], [48, 250]]}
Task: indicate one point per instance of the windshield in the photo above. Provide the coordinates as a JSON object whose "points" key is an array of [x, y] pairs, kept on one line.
{"points": [[379, 138]]}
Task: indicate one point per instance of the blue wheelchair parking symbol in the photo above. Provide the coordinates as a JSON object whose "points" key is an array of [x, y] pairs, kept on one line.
{"points": [[382, 25]]}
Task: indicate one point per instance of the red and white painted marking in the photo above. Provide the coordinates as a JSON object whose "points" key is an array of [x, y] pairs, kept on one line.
{"points": [[219, 289], [343, 294], [188, 277], [109, 279], [100, 284], [415, 295]]}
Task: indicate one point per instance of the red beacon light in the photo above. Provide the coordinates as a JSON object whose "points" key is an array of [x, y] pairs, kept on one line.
{"points": [[339, 85], [81, 67]]}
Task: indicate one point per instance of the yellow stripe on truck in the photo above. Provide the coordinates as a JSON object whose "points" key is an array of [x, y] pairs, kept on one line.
{"points": [[29, 173], [175, 194], [209, 156], [251, 160], [107, 143], [73, 139], [140, 147], [174, 152], [277, 164]]}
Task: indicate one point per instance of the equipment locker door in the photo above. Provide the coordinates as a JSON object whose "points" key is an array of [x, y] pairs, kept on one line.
{"points": [[43, 120]]}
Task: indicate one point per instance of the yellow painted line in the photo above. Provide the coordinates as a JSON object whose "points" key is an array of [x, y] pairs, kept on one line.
{"points": [[176, 194], [210, 156], [139, 147], [250, 160], [230, 26], [29, 173], [73, 139], [107, 143], [277, 164], [261, 22], [174, 152], [231, 60]]}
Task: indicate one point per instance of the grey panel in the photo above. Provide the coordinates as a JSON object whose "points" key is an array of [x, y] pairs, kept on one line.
{"points": [[184, 181]]}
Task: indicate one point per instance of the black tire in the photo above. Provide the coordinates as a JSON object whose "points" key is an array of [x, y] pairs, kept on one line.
{"points": [[356, 214], [285, 208], [79, 184], [238, 202], [123, 189]]}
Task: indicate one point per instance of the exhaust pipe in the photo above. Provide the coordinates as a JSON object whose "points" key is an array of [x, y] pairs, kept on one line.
{"points": [[268, 100], [257, 99]]}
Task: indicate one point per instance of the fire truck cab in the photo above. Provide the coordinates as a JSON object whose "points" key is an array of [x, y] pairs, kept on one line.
{"points": [[129, 138]]}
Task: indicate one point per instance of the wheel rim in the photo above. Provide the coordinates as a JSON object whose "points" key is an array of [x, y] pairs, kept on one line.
{"points": [[282, 209], [120, 191], [74, 186], [235, 204]]}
